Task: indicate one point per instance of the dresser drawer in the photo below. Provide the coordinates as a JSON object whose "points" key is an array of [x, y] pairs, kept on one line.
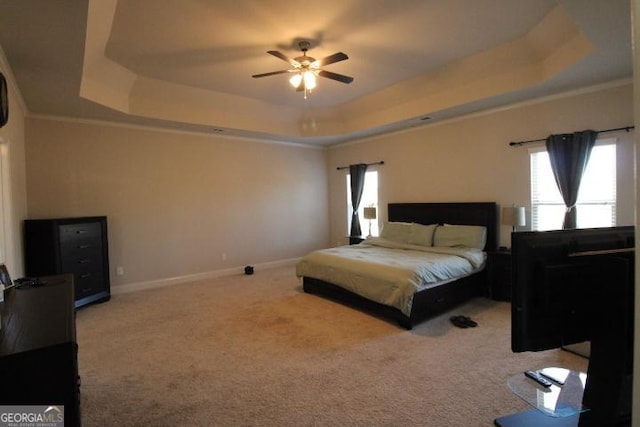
{"points": [[83, 263], [77, 233], [81, 253], [88, 282]]}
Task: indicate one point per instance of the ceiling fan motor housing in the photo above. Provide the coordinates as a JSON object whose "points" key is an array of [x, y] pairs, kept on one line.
{"points": [[305, 60], [304, 45]]}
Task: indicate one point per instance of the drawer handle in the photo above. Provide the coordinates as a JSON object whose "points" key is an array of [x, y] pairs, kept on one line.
{"points": [[83, 246], [84, 261], [81, 231], [86, 275]]}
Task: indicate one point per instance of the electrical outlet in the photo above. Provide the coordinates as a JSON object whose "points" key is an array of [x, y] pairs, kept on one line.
{"points": [[119, 271]]}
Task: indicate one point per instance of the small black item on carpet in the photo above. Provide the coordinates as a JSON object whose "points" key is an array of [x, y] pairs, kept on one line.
{"points": [[463, 321]]}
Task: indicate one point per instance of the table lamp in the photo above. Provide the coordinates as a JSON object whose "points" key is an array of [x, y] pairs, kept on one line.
{"points": [[514, 216], [370, 214]]}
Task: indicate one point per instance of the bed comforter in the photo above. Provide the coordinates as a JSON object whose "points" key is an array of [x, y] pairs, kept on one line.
{"points": [[388, 272]]}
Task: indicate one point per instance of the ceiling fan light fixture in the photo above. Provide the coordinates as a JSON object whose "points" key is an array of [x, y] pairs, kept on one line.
{"points": [[309, 80], [295, 80]]}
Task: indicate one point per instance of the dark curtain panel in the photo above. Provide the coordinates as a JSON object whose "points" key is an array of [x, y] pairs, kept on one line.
{"points": [[569, 155], [357, 185]]}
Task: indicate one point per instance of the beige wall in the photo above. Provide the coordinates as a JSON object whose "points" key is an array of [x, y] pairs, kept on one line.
{"points": [[177, 202], [469, 159], [12, 178]]}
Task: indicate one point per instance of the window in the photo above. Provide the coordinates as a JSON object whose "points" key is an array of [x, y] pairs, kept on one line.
{"points": [[596, 199], [369, 198]]}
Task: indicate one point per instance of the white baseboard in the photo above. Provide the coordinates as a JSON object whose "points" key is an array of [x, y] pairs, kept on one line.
{"points": [[152, 284]]}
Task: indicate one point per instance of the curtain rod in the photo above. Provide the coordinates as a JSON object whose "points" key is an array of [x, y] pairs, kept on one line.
{"points": [[519, 143], [381, 162]]}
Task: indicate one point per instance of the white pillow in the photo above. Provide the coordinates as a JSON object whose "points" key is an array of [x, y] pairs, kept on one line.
{"points": [[422, 234], [396, 231], [470, 236]]}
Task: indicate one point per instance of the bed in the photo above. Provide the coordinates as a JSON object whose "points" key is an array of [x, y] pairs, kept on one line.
{"points": [[321, 275]]}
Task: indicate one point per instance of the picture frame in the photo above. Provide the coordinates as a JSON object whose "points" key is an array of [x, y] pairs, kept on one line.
{"points": [[5, 277]]}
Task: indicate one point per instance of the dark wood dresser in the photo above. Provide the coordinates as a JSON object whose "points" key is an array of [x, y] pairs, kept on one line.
{"points": [[70, 245], [38, 349]]}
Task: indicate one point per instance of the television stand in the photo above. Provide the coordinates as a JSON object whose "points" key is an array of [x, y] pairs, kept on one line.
{"points": [[607, 389], [536, 418], [563, 398], [557, 405]]}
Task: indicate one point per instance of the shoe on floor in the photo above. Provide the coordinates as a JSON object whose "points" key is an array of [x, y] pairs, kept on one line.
{"points": [[463, 322]]}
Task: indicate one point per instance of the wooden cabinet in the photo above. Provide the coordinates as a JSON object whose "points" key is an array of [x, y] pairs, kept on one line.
{"points": [[71, 245], [38, 349], [499, 273]]}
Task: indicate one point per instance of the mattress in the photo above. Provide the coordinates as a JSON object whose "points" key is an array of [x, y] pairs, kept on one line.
{"points": [[389, 272]]}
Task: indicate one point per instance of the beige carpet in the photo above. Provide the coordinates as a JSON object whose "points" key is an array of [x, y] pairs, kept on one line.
{"points": [[257, 351]]}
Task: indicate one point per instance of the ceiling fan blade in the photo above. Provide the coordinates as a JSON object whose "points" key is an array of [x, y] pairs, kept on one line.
{"points": [[284, 58], [273, 73], [334, 76], [336, 57]]}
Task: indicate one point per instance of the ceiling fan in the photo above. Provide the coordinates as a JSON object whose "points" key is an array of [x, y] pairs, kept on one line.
{"points": [[306, 69]]}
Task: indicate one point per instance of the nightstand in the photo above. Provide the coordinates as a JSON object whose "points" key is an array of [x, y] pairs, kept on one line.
{"points": [[499, 273]]}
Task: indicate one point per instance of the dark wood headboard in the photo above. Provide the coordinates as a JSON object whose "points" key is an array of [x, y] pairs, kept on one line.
{"points": [[466, 213]]}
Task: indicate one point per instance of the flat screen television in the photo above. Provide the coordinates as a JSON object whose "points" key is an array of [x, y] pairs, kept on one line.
{"points": [[570, 286]]}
